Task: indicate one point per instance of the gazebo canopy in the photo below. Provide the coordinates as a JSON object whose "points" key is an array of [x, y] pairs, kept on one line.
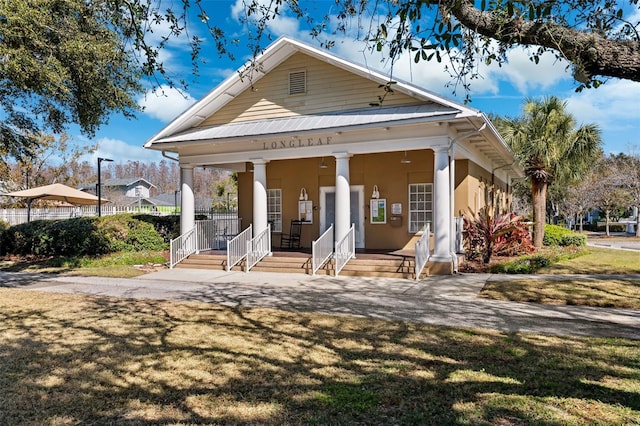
{"points": [[59, 192]]}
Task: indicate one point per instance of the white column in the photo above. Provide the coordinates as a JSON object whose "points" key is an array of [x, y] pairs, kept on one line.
{"points": [[343, 196], [259, 196], [442, 205], [187, 199]]}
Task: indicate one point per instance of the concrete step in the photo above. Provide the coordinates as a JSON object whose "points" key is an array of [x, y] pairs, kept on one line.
{"points": [[388, 268]]}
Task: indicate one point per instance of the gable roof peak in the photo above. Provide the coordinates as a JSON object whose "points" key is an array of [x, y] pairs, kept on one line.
{"points": [[273, 55]]}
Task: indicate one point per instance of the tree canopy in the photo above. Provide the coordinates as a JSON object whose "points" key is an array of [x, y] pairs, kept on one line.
{"points": [[550, 147], [600, 39], [68, 62], [79, 61]]}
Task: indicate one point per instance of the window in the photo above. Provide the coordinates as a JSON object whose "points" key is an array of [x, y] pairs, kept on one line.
{"points": [[297, 82], [274, 209], [420, 206]]}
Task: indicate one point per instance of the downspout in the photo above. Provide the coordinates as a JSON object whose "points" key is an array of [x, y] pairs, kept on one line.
{"points": [[452, 181], [164, 154]]}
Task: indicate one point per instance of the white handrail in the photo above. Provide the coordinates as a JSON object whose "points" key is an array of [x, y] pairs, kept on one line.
{"points": [[201, 237], [258, 248], [182, 247], [321, 250], [345, 249], [423, 250], [237, 247]]}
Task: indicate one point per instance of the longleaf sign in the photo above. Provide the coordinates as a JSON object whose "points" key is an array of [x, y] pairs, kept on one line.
{"points": [[296, 143]]}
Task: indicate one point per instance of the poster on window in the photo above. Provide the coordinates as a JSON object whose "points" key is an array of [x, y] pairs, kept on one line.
{"points": [[378, 210], [305, 211]]}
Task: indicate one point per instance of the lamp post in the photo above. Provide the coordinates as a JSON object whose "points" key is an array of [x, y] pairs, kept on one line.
{"points": [[100, 160]]}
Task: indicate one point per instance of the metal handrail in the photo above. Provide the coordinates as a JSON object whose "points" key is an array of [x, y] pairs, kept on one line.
{"points": [[423, 250], [258, 247], [202, 236], [321, 250], [237, 247], [182, 247], [345, 249]]}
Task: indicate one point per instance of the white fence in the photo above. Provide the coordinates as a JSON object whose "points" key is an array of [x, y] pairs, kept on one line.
{"points": [[18, 216]]}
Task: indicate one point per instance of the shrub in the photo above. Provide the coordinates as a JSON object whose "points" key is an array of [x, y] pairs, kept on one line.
{"points": [[555, 235], [125, 233], [167, 226], [530, 264], [485, 235], [80, 237]]}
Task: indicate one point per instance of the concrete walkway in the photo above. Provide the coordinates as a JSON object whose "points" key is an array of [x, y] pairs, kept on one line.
{"points": [[450, 301]]}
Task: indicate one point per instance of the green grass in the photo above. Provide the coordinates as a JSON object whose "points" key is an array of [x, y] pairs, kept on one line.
{"points": [[602, 293], [122, 264], [71, 359], [598, 261], [621, 292]]}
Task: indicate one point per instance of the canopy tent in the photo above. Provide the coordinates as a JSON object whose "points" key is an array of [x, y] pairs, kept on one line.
{"points": [[56, 191]]}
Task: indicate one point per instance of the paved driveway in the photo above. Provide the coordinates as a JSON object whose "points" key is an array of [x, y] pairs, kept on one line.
{"points": [[447, 300]]}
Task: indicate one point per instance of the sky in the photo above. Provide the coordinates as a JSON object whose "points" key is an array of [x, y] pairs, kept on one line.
{"points": [[614, 106]]}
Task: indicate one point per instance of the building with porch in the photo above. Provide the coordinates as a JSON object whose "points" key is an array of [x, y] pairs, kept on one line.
{"points": [[317, 138]]}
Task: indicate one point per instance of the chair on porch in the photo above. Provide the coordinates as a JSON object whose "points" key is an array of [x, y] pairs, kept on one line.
{"points": [[292, 239]]}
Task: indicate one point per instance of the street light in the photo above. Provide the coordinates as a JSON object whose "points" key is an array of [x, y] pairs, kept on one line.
{"points": [[100, 160]]}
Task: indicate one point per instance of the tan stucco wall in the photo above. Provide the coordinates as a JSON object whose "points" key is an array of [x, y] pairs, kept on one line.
{"points": [[383, 170]]}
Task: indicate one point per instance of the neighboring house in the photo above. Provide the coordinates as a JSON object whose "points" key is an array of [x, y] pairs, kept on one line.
{"points": [[129, 187], [127, 190], [315, 137]]}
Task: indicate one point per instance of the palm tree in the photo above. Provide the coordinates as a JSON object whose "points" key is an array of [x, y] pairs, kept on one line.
{"points": [[550, 148]]}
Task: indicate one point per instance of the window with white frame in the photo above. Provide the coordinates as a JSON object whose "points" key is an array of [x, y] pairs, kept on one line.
{"points": [[420, 206], [274, 209]]}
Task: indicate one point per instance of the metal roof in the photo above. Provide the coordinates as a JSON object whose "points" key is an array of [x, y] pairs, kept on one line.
{"points": [[301, 123]]}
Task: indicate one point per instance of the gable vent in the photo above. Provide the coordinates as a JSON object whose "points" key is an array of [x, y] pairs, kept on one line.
{"points": [[297, 82]]}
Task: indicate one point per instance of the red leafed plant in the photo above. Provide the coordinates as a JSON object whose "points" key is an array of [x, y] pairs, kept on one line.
{"points": [[485, 235]]}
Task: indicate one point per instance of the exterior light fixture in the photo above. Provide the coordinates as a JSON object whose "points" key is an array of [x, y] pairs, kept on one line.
{"points": [[405, 159], [376, 193], [303, 195], [323, 165]]}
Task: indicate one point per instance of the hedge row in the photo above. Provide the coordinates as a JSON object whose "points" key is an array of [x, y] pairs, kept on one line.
{"points": [[89, 235], [555, 236]]}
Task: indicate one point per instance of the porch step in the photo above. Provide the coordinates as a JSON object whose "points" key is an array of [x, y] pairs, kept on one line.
{"points": [[401, 267]]}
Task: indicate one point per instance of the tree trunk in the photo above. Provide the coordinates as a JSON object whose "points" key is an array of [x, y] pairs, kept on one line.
{"points": [[638, 222], [539, 196], [606, 223]]}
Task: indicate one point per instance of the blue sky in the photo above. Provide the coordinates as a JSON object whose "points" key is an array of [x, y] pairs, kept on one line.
{"points": [[614, 107]]}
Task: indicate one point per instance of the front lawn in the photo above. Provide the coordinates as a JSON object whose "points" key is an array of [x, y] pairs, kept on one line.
{"points": [[121, 265], [70, 359], [600, 292]]}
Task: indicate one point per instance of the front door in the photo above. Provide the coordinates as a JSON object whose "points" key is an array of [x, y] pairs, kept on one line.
{"points": [[328, 210]]}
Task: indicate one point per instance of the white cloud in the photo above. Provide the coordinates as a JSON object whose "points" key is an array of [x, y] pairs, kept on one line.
{"points": [[121, 152], [614, 106], [165, 103], [528, 76]]}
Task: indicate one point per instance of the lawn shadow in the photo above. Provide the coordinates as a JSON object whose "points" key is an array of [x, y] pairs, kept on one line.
{"points": [[99, 360]]}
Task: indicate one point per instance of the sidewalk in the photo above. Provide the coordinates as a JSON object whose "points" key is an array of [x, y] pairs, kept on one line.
{"points": [[439, 300]]}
